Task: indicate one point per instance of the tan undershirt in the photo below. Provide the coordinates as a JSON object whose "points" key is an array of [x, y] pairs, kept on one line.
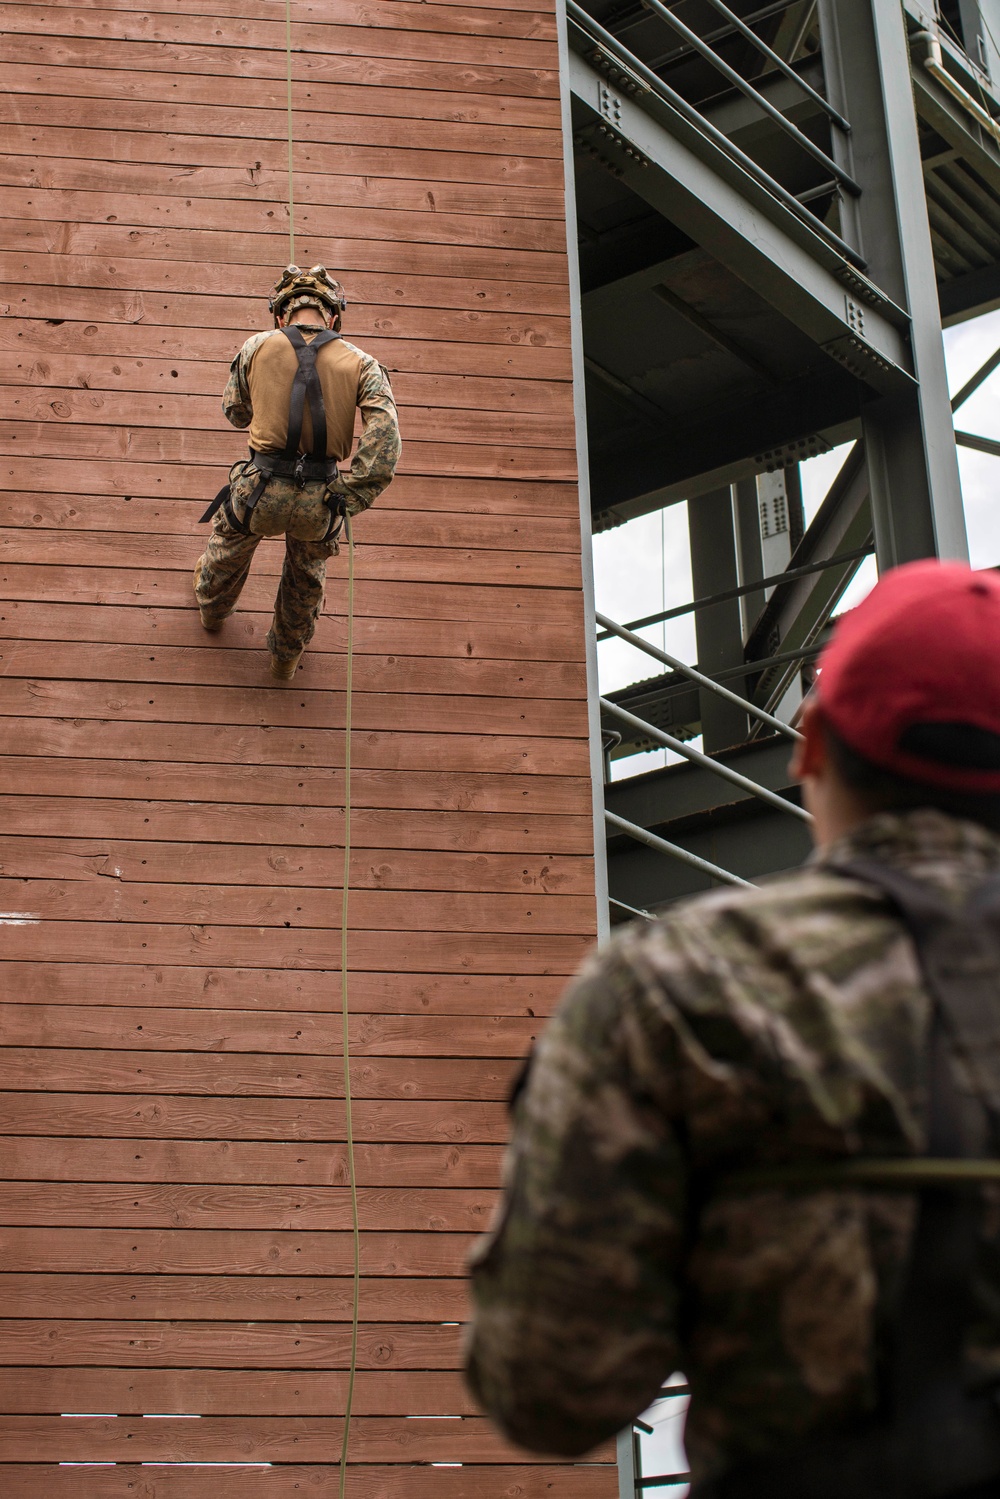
{"points": [[270, 377]]}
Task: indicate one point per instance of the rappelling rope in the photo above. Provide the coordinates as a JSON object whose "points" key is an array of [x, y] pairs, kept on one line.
{"points": [[288, 81], [346, 884], [355, 1224]]}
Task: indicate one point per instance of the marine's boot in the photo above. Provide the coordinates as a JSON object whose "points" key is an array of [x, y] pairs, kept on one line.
{"points": [[284, 670], [207, 624]]}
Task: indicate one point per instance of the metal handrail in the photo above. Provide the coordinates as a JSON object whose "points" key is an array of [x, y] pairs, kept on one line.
{"points": [[675, 101], [788, 576], [763, 663], [979, 444], [632, 910], [662, 846], [747, 88], [659, 736], [971, 386], [694, 675], [779, 62]]}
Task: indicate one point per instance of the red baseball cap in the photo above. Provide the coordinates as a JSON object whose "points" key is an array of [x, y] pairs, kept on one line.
{"points": [[911, 678]]}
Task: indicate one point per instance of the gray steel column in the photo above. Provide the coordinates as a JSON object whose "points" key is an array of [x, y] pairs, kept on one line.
{"points": [[718, 628], [583, 466], [913, 466]]}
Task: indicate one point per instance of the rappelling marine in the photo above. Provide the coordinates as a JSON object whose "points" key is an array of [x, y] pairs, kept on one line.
{"points": [[296, 387]]}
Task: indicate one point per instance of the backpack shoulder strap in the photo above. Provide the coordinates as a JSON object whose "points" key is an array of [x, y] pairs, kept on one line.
{"points": [[959, 954]]}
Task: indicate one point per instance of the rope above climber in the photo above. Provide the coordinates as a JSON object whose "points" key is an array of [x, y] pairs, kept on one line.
{"points": [[297, 388]]}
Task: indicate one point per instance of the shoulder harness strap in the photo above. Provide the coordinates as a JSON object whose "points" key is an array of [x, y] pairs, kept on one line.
{"points": [[306, 387]]}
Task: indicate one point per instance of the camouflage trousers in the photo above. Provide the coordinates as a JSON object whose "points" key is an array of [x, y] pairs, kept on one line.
{"points": [[302, 517]]}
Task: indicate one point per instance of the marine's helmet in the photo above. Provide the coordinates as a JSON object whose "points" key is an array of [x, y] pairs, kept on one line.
{"points": [[312, 288]]}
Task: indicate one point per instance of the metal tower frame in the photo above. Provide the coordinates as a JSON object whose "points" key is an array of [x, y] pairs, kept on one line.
{"points": [[776, 205]]}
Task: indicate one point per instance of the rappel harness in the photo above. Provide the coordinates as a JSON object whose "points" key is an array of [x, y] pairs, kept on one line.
{"points": [[290, 463], [932, 1437]]}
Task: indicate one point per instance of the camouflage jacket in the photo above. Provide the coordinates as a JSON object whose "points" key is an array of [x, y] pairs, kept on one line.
{"points": [[783, 1024], [377, 453]]}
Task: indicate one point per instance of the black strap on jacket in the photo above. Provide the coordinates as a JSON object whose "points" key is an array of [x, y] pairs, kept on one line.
{"points": [[306, 388], [931, 1438]]}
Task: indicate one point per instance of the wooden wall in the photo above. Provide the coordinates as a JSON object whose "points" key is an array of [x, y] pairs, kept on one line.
{"points": [[175, 1220]]}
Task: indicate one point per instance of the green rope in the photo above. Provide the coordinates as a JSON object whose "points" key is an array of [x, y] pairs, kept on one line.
{"points": [[344, 1010], [902, 1173], [288, 74], [346, 889]]}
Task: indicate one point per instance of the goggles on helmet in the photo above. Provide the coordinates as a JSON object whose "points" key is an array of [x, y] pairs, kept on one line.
{"points": [[314, 285]]}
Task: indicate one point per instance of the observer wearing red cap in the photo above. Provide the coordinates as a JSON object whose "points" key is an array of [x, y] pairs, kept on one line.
{"points": [[906, 710], [716, 1152]]}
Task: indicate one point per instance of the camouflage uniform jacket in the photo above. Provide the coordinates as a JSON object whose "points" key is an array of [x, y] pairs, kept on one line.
{"points": [[783, 1024], [377, 453]]}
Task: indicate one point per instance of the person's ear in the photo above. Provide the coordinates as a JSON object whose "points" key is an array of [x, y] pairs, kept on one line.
{"points": [[809, 756], [282, 321]]}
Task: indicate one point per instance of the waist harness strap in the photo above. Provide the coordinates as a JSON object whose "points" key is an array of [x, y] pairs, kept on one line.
{"points": [[305, 387], [932, 1438]]}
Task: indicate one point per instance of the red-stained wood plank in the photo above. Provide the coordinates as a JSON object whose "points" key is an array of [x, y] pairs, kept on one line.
{"points": [[252, 243], [269, 1163], [200, 127], [229, 1345], [563, 684], [414, 493], [132, 861], [205, 246], [227, 1297], [399, 157], [288, 1481], [559, 570], [281, 1033], [201, 413], [32, 1390], [531, 211], [258, 1439], [319, 787], [233, 1392], [420, 951], [253, 1030], [307, 701], [442, 393], [237, 1074], [472, 18], [442, 502], [259, 824], [138, 588], [175, 447], [434, 95], [241, 1252], [304, 749], [188, 308], [294, 907], [560, 683], [151, 210], [207, 39], [238, 988], [410, 61], [503, 640], [390, 527], [126, 326], [193, 1117]]}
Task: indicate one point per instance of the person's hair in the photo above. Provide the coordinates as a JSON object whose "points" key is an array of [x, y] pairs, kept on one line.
{"points": [[313, 307], [884, 791]]}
